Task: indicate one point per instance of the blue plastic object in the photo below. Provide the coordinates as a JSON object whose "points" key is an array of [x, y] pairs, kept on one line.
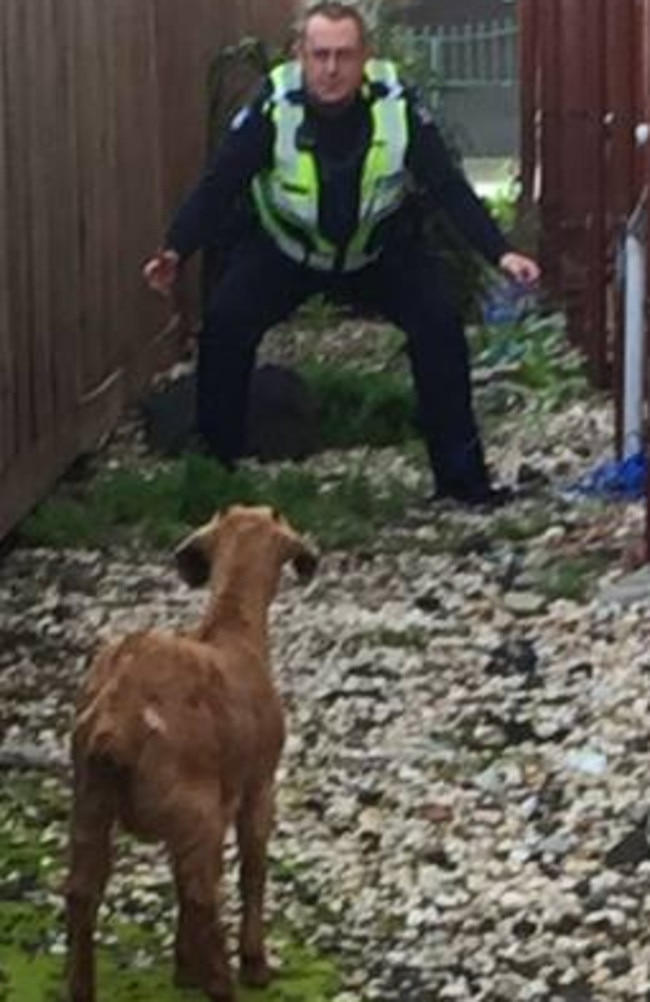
{"points": [[507, 302], [617, 480]]}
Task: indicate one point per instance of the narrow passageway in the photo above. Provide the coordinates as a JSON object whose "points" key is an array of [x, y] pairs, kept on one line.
{"points": [[462, 798]]}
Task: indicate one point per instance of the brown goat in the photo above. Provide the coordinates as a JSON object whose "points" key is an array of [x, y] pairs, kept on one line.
{"points": [[177, 737]]}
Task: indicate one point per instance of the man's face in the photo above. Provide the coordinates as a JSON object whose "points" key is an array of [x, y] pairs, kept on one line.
{"points": [[332, 55]]}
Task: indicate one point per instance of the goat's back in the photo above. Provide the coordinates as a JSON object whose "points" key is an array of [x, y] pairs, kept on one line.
{"points": [[171, 713]]}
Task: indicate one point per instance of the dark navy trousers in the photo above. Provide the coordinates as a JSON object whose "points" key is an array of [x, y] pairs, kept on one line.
{"points": [[261, 287]]}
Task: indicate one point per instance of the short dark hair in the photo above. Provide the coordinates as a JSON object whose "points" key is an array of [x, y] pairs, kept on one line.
{"points": [[334, 10]]}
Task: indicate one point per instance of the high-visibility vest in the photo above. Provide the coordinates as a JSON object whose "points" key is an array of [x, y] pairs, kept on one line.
{"points": [[287, 194]]}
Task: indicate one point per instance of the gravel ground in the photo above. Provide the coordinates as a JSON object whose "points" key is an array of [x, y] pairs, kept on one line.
{"points": [[463, 797]]}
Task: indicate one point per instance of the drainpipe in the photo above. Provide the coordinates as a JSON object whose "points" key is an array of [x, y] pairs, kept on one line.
{"points": [[642, 137], [634, 352]]}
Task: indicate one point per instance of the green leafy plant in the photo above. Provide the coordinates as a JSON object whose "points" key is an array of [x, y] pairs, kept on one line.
{"points": [[504, 205], [536, 353], [357, 407], [158, 507]]}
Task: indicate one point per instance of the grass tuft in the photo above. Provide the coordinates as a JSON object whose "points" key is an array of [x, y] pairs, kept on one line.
{"points": [[358, 407], [158, 507]]}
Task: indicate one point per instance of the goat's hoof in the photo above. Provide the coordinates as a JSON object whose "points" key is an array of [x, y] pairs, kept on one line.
{"points": [[254, 972]]}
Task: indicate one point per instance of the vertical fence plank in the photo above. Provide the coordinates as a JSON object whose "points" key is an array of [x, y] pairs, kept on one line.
{"points": [[40, 124], [17, 130], [529, 72], [7, 386], [573, 177], [64, 212], [91, 150]]}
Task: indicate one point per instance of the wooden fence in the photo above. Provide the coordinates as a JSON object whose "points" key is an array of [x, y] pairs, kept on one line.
{"points": [[103, 127], [585, 91]]}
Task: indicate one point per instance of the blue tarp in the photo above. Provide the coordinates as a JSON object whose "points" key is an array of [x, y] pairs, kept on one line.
{"points": [[616, 480]]}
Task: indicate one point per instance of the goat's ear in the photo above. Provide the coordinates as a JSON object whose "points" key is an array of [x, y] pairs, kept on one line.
{"points": [[305, 562], [193, 560]]}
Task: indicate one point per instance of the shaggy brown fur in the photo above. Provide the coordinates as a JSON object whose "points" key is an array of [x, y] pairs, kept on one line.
{"points": [[177, 737]]}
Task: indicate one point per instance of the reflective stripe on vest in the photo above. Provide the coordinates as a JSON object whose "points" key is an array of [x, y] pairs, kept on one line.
{"points": [[287, 195]]}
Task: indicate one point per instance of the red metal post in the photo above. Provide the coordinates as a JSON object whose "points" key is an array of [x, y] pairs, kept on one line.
{"points": [[622, 34], [529, 96]]}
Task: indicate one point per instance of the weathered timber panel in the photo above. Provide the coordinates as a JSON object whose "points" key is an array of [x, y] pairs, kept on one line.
{"points": [[585, 76], [104, 127]]}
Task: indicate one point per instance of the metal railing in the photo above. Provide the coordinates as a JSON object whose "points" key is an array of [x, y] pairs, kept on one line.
{"points": [[482, 54]]}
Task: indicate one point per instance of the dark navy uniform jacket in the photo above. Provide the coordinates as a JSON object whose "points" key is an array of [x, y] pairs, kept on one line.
{"points": [[339, 140]]}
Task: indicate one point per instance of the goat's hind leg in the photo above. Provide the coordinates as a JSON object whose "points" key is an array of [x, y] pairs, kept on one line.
{"points": [[90, 859], [201, 959], [254, 825]]}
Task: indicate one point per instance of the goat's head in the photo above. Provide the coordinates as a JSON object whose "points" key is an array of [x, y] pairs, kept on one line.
{"points": [[251, 529]]}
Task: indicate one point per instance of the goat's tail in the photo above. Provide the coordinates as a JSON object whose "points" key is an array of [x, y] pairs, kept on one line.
{"points": [[104, 741], [105, 749], [102, 769]]}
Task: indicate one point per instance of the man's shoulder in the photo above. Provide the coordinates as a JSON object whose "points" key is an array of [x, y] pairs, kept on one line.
{"points": [[247, 115], [420, 107]]}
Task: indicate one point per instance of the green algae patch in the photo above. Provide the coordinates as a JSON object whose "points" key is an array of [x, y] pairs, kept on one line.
{"points": [[35, 977], [136, 966]]}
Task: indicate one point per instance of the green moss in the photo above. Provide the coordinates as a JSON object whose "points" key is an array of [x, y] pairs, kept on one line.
{"points": [[411, 638], [37, 977], [574, 578], [33, 840], [521, 527]]}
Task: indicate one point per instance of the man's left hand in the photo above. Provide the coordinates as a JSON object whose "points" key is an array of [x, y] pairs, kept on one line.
{"points": [[520, 268]]}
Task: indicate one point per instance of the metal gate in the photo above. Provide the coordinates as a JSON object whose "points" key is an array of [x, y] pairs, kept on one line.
{"points": [[474, 71]]}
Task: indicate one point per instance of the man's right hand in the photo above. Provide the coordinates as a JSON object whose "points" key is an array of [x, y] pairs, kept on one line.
{"points": [[161, 272]]}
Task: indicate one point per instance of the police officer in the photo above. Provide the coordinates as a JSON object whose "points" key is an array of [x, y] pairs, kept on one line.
{"points": [[327, 154]]}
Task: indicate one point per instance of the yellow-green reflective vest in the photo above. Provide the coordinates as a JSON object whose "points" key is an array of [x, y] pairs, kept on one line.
{"points": [[287, 194]]}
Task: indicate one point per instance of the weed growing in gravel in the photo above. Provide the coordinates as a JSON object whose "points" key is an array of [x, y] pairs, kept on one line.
{"points": [[414, 638], [538, 359], [320, 314], [361, 408], [136, 967], [359, 404], [521, 528], [573, 578], [159, 506]]}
